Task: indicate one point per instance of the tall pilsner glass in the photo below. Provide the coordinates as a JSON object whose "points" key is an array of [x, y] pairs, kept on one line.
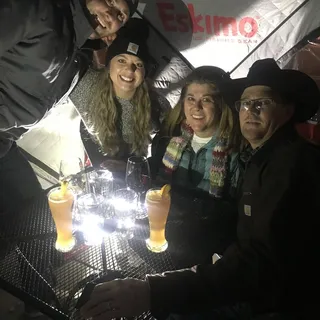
{"points": [[60, 203], [158, 207]]}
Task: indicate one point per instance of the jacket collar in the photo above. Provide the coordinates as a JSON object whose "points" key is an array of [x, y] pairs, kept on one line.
{"points": [[82, 27]]}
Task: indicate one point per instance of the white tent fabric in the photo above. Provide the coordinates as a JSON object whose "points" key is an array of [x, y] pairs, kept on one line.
{"points": [[224, 32], [54, 138], [190, 33]]}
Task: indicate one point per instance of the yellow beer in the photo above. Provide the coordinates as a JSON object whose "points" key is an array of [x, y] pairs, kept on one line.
{"points": [[158, 206], [60, 203]]}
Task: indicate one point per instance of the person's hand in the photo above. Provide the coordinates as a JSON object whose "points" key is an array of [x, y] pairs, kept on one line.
{"points": [[116, 299], [114, 165]]}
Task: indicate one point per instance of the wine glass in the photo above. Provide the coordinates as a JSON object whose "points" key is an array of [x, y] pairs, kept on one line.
{"points": [[138, 179]]}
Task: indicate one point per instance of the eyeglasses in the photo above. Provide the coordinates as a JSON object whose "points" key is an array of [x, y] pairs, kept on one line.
{"points": [[257, 104]]}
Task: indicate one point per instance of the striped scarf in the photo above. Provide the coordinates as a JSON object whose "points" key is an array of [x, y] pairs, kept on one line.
{"points": [[220, 156]]}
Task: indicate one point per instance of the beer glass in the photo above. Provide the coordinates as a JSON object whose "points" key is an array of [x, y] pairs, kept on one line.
{"points": [[60, 204], [158, 207]]}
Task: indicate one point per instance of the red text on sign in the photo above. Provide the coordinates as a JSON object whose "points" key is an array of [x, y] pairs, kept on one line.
{"points": [[210, 25]]}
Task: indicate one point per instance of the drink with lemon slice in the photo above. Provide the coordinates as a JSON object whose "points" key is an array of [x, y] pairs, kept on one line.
{"points": [[60, 203], [158, 202]]}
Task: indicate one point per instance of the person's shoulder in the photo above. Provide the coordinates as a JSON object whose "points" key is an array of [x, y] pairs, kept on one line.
{"points": [[83, 92], [299, 148], [298, 155], [282, 146], [92, 75], [309, 146], [306, 165], [308, 151]]}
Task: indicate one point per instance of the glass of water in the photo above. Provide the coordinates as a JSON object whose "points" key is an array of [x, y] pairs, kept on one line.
{"points": [[138, 178], [101, 182], [91, 215], [124, 203]]}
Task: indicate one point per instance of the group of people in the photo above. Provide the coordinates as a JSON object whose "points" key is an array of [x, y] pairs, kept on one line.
{"points": [[274, 262], [230, 140]]}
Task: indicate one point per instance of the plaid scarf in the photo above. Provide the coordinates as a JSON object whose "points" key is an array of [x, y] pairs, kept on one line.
{"points": [[219, 166]]}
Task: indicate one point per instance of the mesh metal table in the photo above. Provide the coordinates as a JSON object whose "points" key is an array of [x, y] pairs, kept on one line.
{"points": [[32, 270]]}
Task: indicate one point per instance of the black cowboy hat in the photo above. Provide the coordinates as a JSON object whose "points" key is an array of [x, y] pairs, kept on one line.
{"points": [[230, 90], [293, 86]]}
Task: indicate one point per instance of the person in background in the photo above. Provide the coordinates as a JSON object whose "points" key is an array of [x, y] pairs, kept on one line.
{"points": [[273, 267], [118, 109], [204, 154], [40, 63]]}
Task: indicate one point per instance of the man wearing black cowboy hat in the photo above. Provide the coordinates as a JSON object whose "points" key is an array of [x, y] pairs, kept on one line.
{"points": [[41, 59], [273, 267]]}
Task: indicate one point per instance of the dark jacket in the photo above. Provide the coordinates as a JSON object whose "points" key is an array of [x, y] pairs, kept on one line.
{"points": [[275, 263], [213, 221], [39, 41]]}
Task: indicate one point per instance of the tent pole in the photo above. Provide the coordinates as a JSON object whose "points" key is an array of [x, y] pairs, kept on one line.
{"points": [[40, 164], [269, 35], [302, 43]]}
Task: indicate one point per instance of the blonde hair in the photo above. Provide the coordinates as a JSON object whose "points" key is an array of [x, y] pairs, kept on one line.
{"points": [[226, 121], [103, 117]]}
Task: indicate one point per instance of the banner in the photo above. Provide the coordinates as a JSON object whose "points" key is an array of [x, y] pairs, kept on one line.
{"points": [[224, 32]]}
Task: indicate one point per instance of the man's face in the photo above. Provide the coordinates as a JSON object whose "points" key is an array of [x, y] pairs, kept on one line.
{"points": [[109, 15], [261, 114]]}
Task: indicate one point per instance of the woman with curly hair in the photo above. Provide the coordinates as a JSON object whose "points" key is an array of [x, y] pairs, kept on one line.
{"points": [[122, 112]]}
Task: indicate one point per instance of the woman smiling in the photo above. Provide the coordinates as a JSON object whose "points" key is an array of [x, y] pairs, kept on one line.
{"points": [[204, 154], [122, 112]]}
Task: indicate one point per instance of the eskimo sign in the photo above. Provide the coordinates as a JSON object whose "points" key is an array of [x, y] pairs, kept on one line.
{"points": [[206, 25]]}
